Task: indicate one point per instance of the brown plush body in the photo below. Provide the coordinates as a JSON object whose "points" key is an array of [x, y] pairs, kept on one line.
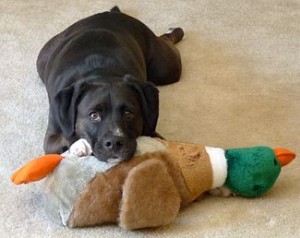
{"points": [[123, 195]]}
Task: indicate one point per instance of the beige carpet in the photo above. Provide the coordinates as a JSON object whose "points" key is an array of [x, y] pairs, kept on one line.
{"points": [[240, 87]]}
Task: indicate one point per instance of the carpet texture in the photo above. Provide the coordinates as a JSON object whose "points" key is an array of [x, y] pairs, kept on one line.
{"points": [[240, 86]]}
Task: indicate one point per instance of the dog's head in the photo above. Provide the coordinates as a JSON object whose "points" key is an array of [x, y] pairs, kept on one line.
{"points": [[110, 115]]}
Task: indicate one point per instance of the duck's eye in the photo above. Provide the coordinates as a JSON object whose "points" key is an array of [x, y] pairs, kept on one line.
{"points": [[95, 116], [128, 115]]}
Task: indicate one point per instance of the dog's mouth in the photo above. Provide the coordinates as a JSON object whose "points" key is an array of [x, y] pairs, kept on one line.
{"points": [[114, 156]]}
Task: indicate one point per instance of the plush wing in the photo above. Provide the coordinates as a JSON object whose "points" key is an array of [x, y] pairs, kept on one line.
{"points": [[150, 197]]}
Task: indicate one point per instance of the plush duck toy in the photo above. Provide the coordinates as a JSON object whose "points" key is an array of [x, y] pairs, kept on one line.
{"points": [[149, 189]]}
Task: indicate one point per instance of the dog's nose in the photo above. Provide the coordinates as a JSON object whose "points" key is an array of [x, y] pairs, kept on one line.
{"points": [[113, 143]]}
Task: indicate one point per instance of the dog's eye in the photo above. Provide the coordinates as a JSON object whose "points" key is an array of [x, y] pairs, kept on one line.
{"points": [[95, 116], [128, 115]]}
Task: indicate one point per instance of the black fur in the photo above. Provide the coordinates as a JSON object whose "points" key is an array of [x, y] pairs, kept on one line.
{"points": [[104, 66]]}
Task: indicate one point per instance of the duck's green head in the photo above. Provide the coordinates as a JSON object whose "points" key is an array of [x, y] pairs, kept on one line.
{"points": [[253, 171]]}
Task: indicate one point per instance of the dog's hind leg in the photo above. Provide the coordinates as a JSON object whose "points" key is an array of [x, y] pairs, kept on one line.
{"points": [[164, 66], [173, 34]]}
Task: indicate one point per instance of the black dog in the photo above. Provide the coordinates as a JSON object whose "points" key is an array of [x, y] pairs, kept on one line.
{"points": [[96, 74]]}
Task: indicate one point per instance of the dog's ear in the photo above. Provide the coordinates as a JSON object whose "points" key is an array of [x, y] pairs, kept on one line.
{"points": [[148, 94], [65, 108]]}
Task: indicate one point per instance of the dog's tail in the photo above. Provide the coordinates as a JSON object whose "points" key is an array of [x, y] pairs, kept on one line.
{"points": [[115, 9]]}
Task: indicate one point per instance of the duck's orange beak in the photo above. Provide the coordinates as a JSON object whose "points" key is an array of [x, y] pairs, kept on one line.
{"points": [[284, 156]]}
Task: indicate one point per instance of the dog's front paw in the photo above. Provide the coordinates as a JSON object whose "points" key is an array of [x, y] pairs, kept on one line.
{"points": [[81, 148]]}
